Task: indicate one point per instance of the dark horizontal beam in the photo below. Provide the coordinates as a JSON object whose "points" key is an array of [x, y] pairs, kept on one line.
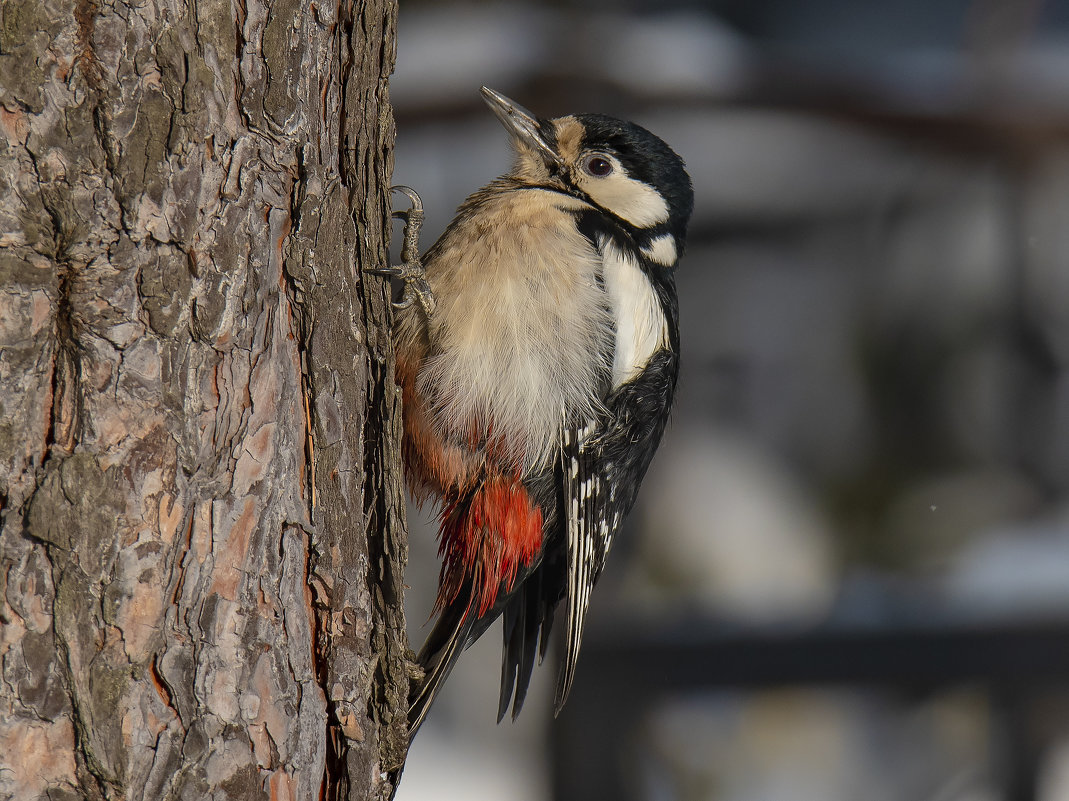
{"points": [[626, 668], [697, 656]]}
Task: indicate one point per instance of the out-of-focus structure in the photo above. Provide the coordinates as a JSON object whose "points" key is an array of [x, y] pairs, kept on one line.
{"points": [[848, 575]]}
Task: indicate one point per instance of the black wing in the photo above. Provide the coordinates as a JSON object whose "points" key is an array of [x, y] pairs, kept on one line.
{"points": [[602, 468]]}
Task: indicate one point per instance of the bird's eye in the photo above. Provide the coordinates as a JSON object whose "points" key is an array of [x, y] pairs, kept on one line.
{"points": [[598, 166]]}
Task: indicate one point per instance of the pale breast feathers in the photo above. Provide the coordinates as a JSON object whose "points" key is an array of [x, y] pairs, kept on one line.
{"points": [[521, 336]]}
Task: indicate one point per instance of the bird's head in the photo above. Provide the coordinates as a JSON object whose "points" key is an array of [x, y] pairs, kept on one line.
{"points": [[618, 166]]}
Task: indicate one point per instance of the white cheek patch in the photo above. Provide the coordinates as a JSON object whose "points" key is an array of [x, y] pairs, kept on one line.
{"points": [[641, 328], [662, 250], [630, 200]]}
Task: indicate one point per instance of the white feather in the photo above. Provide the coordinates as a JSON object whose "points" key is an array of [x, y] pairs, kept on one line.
{"points": [[626, 197], [641, 327], [662, 250]]}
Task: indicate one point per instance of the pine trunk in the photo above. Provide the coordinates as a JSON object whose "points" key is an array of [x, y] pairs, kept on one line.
{"points": [[201, 517]]}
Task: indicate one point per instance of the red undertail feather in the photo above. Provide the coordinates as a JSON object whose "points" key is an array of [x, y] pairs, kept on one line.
{"points": [[486, 535]]}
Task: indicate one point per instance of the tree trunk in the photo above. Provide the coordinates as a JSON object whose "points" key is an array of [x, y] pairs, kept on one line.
{"points": [[201, 517]]}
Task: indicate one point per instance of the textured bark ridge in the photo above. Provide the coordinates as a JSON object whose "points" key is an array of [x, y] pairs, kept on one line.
{"points": [[201, 523]]}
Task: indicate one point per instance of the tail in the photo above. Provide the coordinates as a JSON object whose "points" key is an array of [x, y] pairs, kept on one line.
{"points": [[526, 623], [527, 616], [446, 642]]}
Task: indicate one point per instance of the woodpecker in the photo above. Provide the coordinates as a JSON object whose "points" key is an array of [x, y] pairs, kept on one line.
{"points": [[537, 371]]}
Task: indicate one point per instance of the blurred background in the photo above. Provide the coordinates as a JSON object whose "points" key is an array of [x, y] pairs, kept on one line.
{"points": [[847, 577]]}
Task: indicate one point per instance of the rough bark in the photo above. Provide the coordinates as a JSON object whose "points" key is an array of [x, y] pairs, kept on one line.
{"points": [[201, 524]]}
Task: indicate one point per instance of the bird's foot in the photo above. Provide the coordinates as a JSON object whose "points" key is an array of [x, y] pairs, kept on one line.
{"points": [[410, 270]]}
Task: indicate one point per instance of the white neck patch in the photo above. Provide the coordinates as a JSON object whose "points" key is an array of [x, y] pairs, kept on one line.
{"points": [[662, 250], [641, 327]]}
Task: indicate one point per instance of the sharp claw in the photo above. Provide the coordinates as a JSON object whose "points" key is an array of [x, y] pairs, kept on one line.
{"points": [[411, 270], [411, 194]]}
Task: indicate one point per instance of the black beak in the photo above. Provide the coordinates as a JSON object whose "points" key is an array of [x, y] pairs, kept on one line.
{"points": [[521, 124]]}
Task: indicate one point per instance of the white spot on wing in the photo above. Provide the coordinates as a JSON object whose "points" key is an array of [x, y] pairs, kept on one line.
{"points": [[641, 328]]}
